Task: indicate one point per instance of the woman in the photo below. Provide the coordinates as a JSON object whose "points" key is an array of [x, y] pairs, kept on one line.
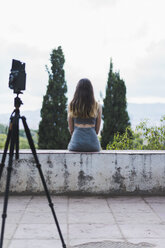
{"points": [[84, 118]]}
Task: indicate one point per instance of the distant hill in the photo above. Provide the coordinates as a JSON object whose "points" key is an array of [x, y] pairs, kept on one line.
{"points": [[137, 113]]}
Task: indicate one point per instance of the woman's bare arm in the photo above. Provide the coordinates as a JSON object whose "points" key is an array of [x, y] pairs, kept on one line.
{"points": [[70, 124], [98, 120]]}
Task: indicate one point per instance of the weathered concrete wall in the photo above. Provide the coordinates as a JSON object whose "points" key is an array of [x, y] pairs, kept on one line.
{"points": [[107, 172]]}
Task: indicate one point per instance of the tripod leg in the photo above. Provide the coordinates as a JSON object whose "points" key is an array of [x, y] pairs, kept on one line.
{"points": [[31, 144], [5, 151], [17, 140], [9, 169]]}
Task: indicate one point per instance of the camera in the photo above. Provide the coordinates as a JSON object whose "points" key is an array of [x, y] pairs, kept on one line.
{"points": [[17, 77]]}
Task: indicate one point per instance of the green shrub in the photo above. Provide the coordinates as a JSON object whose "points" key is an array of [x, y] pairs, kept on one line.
{"points": [[23, 142], [129, 140], [154, 137], [143, 138], [2, 140]]}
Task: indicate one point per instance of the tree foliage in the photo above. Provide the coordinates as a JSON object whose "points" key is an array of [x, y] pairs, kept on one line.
{"points": [[115, 115], [2, 140], [154, 136], [129, 140], [143, 138], [53, 128]]}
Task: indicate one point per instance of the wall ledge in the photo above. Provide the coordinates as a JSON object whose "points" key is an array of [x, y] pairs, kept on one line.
{"points": [[88, 173], [40, 151]]}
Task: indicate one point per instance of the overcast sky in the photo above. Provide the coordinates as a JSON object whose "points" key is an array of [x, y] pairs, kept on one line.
{"points": [[90, 32]]}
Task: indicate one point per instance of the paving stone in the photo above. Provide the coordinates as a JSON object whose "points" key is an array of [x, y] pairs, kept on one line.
{"points": [[85, 220], [42, 218], [125, 199], [91, 218], [158, 207], [155, 199], [6, 243], [44, 207], [39, 231], [35, 244], [9, 230], [157, 243], [87, 205], [91, 231], [14, 217], [130, 207], [137, 218], [143, 231]]}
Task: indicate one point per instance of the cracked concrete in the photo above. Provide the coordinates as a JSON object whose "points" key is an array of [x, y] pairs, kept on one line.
{"points": [[101, 173]]}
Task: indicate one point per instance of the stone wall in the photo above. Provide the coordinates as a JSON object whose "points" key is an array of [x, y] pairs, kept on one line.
{"points": [[106, 172]]}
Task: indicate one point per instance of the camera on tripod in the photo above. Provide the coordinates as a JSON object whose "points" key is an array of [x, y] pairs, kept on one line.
{"points": [[17, 81], [17, 77]]}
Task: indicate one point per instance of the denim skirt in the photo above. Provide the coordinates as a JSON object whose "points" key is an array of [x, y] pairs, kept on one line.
{"points": [[84, 140]]}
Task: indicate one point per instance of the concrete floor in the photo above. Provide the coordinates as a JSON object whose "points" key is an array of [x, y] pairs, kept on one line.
{"points": [[30, 224]]}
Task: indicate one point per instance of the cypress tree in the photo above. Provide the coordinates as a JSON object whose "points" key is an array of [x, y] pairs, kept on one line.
{"points": [[53, 128], [115, 115]]}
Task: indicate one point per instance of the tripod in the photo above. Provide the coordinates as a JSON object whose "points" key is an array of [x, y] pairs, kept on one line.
{"points": [[13, 140]]}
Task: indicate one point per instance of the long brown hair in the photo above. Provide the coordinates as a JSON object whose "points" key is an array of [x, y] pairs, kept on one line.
{"points": [[83, 104]]}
